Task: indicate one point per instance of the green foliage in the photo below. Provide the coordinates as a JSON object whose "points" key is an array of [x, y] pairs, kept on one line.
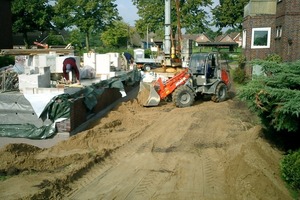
{"points": [[193, 16], [233, 30], [54, 39], [6, 61], [239, 75], [117, 35], [274, 58], [229, 13], [30, 16], [76, 38], [241, 61], [290, 169], [224, 56], [212, 34], [276, 97], [88, 16]]}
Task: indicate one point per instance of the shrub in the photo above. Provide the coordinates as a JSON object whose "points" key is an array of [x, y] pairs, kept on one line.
{"points": [[290, 169], [239, 75], [241, 61], [274, 58], [224, 56], [275, 98], [6, 61]]}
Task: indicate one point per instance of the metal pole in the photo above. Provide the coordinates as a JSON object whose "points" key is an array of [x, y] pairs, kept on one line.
{"points": [[167, 43], [147, 38]]}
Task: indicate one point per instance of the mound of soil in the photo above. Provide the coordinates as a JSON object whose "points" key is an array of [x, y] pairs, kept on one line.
{"points": [[207, 151]]}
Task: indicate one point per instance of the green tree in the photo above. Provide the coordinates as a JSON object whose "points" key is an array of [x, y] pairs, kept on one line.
{"points": [[88, 16], [229, 13], [30, 16], [193, 17], [275, 97], [212, 34], [55, 39], [76, 38], [117, 35]]}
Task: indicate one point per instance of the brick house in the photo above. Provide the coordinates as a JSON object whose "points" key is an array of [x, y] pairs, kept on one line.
{"points": [[287, 38], [272, 26]]}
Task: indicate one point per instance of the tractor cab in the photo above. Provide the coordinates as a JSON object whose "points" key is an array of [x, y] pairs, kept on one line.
{"points": [[203, 64], [203, 67]]}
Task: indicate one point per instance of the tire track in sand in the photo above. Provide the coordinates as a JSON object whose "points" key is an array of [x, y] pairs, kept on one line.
{"points": [[164, 162]]}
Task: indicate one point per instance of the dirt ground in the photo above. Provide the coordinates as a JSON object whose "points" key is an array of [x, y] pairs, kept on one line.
{"points": [[207, 151]]}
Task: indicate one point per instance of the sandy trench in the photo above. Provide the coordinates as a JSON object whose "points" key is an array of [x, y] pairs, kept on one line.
{"points": [[206, 151]]}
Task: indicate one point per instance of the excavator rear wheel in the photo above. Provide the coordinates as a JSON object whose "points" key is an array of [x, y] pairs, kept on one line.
{"points": [[183, 96]]}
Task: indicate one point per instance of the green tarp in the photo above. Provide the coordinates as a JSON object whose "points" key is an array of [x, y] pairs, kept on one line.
{"points": [[59, 107]]}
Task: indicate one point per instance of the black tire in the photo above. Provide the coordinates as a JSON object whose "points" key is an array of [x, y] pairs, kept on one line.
{"points": [[183, 96], [221, 93], [147, 67]]}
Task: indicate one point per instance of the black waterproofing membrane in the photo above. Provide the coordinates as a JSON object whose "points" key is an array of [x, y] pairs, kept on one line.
{"points": [[59, 107]]}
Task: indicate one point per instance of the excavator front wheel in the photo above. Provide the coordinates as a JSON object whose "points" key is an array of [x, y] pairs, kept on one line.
{"points": [[183, 96]]}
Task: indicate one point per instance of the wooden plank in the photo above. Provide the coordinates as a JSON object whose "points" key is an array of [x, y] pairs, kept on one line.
{"points": [[35, 51]]}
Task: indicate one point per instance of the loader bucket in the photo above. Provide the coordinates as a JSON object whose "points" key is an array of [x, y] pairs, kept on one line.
{"points": [[147, 95]]}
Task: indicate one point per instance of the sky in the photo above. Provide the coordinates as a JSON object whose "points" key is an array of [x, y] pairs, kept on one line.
{"points": [[128, 11]]}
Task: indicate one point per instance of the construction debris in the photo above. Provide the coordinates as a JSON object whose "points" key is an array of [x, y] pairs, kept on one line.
{"points": [[8, 81]]}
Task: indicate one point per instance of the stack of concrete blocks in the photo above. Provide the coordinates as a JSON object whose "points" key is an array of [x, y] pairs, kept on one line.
{"points": [[105, 65], [40, 79], [43, 60], [37, 72]]}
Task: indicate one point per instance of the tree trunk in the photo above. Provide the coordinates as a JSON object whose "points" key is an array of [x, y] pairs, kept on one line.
{"points": [[25, 39], [87, 41]]}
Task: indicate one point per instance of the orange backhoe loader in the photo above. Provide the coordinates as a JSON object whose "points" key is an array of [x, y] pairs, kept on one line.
{"points": [[204, 75]]}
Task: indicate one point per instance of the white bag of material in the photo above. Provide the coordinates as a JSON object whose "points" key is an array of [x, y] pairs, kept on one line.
{"points": [[87, 72]]}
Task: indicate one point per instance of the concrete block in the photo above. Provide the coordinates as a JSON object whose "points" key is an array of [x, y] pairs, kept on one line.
{"points": [[104, 76], [112, 74], [103, 63], [58, 90], [63, 126], [89, 59], [34, 81], [47, 60], [115, 60], [43, 70]]}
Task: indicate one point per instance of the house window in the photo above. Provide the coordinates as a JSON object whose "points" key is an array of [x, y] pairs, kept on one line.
{"points": [[244, 39], [261, 38]]}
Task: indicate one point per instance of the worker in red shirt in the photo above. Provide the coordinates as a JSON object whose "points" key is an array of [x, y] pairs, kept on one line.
{"points": [[69, 65]]}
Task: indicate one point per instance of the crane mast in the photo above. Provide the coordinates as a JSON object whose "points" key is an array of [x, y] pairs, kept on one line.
{"points": [[167, 39]]}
